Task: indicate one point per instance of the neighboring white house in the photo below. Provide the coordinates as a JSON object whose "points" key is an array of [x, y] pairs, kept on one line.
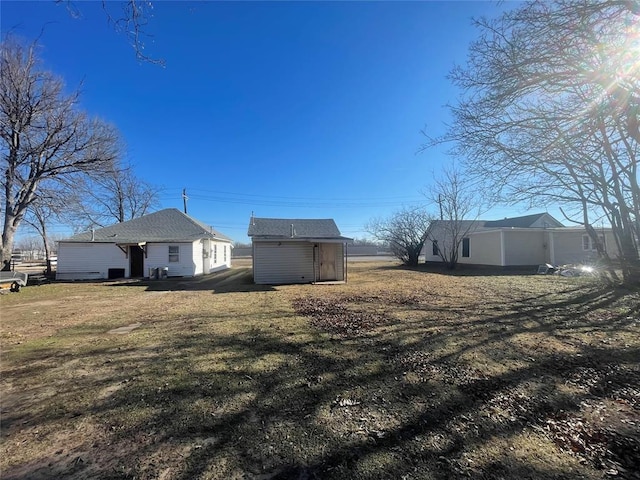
{"points": [[297, 251], [168, 240], [518, 241]]}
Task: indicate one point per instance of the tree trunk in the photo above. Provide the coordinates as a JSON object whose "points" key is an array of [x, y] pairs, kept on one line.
{"points": [[6, 249]]}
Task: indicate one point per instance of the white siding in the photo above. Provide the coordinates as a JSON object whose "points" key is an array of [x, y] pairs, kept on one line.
{"points": [[83, 261], [525, 247], [158, 256], [484, 249], [282, 262], [444, 233], [197, 253], [214, 262], [568, 248]]}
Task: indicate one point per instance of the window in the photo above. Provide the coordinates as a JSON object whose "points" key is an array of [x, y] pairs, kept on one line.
{"points": [[225, 253], [174, 253], [434, 248], [588, 244], [215, 253], [465, 247]]}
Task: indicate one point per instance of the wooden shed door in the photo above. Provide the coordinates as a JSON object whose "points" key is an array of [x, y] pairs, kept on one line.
{"points": [[328, 261]]}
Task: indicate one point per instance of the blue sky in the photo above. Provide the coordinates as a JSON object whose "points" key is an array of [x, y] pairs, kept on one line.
{"points": [[285, 109]]}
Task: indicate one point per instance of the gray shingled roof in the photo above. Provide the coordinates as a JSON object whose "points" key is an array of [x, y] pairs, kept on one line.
{"points": [[519, 222], [479, 225], [302, 228], [169, 225]]}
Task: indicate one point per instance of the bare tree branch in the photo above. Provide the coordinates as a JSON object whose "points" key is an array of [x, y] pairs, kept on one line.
{"points": [[131, 21], [113, 197]]}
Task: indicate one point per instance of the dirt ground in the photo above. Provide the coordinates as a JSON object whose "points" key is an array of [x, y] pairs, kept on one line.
{"points": [[401, 373]]}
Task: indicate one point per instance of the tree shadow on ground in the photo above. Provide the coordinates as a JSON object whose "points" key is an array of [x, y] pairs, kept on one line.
{"points": [[401, 400]]}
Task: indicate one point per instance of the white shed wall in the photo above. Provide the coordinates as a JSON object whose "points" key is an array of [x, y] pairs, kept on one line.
{"points": [[282, 262]]}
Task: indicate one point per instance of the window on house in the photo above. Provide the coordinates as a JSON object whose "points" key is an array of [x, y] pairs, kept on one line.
{"points": [[174, 253], [588, 245], [225, 252], [465, 247], [215, 254], [434, 248]]}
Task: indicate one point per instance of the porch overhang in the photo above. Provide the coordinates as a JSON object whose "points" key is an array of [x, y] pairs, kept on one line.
{"points": [[125, 247]]}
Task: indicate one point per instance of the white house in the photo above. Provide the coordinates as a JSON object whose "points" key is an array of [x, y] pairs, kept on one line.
{"points": [[168, 240], [297, 250], [518, 241]]}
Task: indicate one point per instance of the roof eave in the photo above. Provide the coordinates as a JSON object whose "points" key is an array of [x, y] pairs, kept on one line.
{"points": [[272, 238]]}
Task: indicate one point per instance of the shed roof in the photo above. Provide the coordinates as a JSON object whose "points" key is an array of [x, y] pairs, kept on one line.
{"points": [[168, 225], [317, 228]]}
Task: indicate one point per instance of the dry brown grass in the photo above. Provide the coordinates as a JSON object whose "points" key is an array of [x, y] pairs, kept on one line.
{"points": [[398, 374]]}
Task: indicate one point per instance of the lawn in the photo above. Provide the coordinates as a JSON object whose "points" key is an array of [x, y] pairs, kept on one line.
{"points": [[399, 374]]}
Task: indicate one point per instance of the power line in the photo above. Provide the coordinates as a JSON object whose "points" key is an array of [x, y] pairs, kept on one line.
{"points": [[307, 203], [292, 198]]}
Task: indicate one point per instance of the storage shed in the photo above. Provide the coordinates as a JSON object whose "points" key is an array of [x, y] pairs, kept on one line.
{"points": [[167, 242], [297, 251]]}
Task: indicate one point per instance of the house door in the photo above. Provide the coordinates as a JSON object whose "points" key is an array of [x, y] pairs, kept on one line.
{"points": [[328, 261], [136, 261]]}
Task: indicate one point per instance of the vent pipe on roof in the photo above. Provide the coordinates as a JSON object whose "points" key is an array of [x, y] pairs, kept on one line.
{"points": [[93, 234], [293, 231]]}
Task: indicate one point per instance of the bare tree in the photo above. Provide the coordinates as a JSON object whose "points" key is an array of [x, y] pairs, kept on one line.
{"points": [[550, 112], [49, 205], [44, 136], [459, 206], [28, 246], [405, 232], [114, 196]]}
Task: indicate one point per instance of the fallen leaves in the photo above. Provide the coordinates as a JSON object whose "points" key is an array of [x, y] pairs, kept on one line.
{"points": [[335, 316], [605, 448]]}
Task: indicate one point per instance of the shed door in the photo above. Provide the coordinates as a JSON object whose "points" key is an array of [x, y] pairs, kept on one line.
{"points": [[328, 261]]}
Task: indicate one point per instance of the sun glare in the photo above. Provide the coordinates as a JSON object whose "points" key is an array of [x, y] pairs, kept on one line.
{"points": [[630, 55]]}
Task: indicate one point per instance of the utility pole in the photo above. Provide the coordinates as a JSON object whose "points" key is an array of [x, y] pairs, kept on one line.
{"points": [[440, 205], [184, 199]]}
